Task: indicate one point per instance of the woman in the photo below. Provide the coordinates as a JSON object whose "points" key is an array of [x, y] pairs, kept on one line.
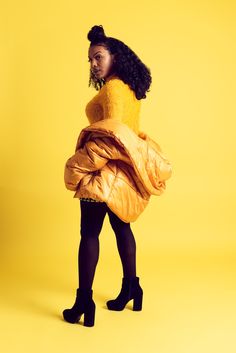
{"points": [[122, 80]]}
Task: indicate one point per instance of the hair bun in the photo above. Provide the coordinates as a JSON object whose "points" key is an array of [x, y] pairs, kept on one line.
{"points": [[96, 34]]}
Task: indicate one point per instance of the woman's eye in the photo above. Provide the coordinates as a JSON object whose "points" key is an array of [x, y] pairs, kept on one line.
{"points": [[97, 57]]}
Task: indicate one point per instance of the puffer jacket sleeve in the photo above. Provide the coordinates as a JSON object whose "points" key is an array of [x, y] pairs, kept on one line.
{"points": [[91, 157]]}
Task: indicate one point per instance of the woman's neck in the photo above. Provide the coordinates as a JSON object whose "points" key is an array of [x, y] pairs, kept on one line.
{"points": [[110, 77]]}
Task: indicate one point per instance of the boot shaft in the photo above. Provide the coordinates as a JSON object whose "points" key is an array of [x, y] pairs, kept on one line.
{"points": [[131, 286]]}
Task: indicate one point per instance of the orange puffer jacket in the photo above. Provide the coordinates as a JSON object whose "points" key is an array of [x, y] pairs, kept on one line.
{"points": [[115, 165]]}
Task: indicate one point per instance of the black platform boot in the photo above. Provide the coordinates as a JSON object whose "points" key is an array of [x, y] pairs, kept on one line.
{"points": [[84, 304], [130, 290]]}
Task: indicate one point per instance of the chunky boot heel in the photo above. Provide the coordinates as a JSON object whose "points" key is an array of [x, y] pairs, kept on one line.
{"points": [[137, 302], [84, 304], [130, 290], [89, 317]]}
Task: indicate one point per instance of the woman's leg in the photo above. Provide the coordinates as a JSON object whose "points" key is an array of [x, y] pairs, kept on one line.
{"points": [[126, 244], [92, 217]]}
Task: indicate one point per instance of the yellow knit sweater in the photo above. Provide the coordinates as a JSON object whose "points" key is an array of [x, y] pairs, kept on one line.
{"points": [[115, 100]]}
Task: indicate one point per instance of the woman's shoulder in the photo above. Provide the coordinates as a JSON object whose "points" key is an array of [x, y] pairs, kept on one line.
{"points": [[115, 84]]}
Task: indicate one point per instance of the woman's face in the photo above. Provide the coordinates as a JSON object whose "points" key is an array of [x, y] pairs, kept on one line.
{"points": [[101, 61]]}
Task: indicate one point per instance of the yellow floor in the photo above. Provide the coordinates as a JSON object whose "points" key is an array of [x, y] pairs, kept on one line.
{"points": [[189, 306]]}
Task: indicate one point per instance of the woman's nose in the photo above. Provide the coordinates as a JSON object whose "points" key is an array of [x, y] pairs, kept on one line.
{"points": [[93, 63]]}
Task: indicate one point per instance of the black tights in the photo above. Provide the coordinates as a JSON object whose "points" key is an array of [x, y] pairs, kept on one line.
{"points": [[92, 217]]}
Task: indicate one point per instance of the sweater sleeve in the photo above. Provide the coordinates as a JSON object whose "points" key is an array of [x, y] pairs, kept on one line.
{"points": [[112, 101]]}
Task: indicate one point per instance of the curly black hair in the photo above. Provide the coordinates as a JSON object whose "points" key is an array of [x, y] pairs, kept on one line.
{"points": [[127, 66]]}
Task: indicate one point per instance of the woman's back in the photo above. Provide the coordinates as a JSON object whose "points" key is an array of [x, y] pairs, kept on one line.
{"points": [[115, 100]]}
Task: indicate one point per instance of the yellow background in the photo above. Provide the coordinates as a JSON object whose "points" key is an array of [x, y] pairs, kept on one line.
{"points": [[185, 238]]}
